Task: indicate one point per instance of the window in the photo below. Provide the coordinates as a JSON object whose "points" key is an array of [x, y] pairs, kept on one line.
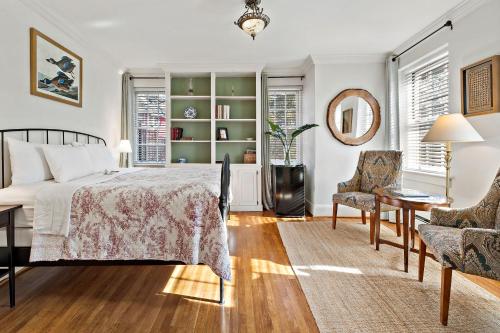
{"points": [[149, 123], [285, 106], [426, 99]]}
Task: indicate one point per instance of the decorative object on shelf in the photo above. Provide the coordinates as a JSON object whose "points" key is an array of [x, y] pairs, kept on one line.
{"points": [[190, 112], [249, 139], [124, 148], [190, 87], [56, 72], [222, 134], [451, 128], [250, 156], [182, 160], [253, 19], [232, 90], [176, 133], [481, 87], [357, 126], [187, 138], [287, 142]]}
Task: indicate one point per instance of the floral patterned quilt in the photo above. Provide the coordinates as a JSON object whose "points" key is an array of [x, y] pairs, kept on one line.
{"points": [[151, 214]]}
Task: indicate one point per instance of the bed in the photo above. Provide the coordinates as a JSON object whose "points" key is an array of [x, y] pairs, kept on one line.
{"points": [[138, 216]]}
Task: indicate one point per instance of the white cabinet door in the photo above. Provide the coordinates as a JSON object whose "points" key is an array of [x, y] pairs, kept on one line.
{"points": [[245, 186]]}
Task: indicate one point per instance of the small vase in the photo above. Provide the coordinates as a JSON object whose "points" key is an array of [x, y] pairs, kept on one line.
{"points": [[287, 157]]}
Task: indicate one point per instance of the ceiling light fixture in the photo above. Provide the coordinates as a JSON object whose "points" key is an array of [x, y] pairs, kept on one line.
{"points": [[253, 19]]}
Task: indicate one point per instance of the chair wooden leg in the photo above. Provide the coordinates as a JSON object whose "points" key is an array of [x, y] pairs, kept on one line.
{"points": [[421, 260], [372, 228], [398, 222], [363, 216], [446, 274], [334, 215]]}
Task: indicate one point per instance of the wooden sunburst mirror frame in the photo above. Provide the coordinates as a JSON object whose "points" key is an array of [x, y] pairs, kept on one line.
{"points": [[330, 117]]}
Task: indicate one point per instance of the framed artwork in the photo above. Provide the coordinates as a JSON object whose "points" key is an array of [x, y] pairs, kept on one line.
{"points": [[222, 133], [481, 87], [347, 121], [56, 72]]}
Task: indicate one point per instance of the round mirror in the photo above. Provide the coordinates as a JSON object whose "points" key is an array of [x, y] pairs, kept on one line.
{"points": [[353, 116]]}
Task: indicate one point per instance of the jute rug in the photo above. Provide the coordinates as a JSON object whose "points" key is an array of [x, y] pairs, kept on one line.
{"points": [[350, 287]]}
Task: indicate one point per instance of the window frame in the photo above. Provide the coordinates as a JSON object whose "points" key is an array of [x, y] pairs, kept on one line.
{"points": [[298, 118], [135, 162], [405, 107]]}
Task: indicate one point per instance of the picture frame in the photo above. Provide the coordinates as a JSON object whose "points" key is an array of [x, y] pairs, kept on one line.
{"points": [[480, 87], [222, 134], [347, 121], [56, 73]]}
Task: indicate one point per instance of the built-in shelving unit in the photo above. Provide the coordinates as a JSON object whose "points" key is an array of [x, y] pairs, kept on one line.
{"points": [[204, 90]]}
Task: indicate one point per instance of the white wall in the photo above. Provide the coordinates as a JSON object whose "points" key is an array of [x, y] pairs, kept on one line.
{"points": [[100, 114], [335, 162], [474, 37]]}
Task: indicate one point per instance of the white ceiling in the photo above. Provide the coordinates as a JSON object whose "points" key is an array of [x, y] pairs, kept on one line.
{"points": [[143, 33]]}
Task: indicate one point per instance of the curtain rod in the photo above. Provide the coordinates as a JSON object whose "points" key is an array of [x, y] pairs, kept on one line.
{"points": [[287, 77], [447, 24], [148, 77]]}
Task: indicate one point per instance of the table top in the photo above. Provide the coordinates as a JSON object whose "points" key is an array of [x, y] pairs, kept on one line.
{"points": [[432, 199], [8, 208]]}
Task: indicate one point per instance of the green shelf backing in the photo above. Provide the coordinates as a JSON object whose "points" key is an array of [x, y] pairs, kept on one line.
{"points": [[180, 86], [243, 86], [195, 152], [202, 106], [238, 131], [239, 109], [234, 149], [199, 131]]}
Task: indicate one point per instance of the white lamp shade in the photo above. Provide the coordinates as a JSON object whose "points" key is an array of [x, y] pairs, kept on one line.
{"points": [[452, 128], [125, 146]]}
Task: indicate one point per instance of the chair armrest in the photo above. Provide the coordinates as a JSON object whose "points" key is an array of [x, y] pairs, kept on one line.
{"points": [[455, 218], [348, 186], [481, 252]]}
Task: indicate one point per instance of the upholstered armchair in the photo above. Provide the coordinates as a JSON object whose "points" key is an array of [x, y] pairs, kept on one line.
{"points": [[375, 169], [467, 240]]}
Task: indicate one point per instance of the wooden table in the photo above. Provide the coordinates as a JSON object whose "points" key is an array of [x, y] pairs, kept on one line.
{"points": [[7, 221], [408, 205]]}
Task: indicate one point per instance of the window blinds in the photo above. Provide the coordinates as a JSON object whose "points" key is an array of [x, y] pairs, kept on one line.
{"points": [[149, 127], [427, 91], [285, 109]]}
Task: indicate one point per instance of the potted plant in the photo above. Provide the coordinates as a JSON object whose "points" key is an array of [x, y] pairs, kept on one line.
{"points": [[288, 179]]}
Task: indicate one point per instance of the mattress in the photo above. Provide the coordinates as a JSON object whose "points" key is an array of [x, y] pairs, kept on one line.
{"points": [[23, 237], [22, 195]]}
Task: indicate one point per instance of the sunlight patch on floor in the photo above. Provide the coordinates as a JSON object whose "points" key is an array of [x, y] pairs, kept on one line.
{"points": [[261, 266], [302, 270], [199, 283]]}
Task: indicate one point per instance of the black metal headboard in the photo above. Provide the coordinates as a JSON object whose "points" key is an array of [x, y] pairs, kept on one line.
{"points": [[27, 131]]}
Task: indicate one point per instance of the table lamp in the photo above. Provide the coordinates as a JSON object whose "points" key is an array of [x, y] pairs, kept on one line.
{"points": [[124, 148], [447, 129]]}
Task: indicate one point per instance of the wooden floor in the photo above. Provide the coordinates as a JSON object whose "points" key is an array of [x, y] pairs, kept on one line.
{"points": [[263, 296]]}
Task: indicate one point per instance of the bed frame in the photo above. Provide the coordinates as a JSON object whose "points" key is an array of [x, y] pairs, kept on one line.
{"points": [[21, 255]]}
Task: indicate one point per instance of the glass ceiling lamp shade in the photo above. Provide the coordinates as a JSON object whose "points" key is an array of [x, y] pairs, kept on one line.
{"points": [[253, 20], [451, 128]]}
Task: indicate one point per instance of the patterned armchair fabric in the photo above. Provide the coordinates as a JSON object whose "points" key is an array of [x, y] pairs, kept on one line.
{"points": [[375, 169], [468, 239]]}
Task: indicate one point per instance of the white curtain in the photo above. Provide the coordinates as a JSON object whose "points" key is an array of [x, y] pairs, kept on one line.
{"points": [[392, 141], [126, 116], [267, 196]]}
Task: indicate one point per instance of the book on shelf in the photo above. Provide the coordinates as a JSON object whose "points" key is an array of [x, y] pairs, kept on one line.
{"points": [[409, 193], [223, 112]]}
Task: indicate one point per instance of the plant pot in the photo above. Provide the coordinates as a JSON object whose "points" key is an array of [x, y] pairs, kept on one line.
{"points": [[288, 190]]}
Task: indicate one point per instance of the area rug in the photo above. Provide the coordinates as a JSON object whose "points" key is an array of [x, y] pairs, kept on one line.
{"points": [[350, 287]]}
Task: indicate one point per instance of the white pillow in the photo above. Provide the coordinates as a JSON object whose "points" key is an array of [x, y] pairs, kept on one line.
{"points": [[67, 162], [27, 162], [101, 157]]}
